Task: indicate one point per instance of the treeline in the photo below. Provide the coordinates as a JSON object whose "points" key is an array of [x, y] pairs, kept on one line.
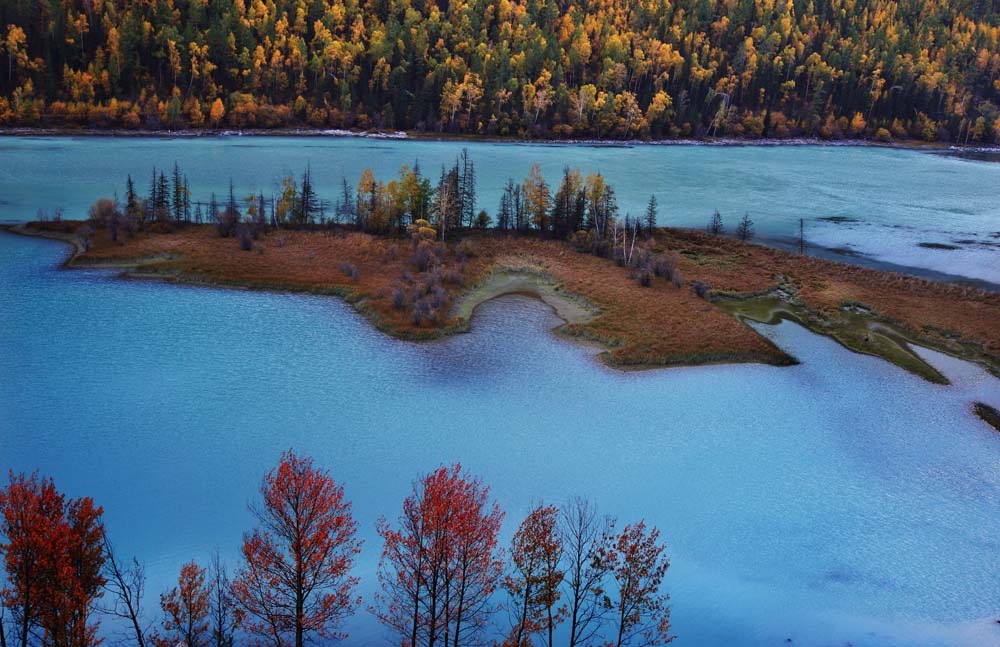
{"points": [[570, 576], [924, 69], [582, 210]]}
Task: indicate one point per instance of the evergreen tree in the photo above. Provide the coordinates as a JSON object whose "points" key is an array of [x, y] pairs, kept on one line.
{"points": [[132, 207], [651, 215], [745, 230], [162, 206], [186, 196], [307, 199], [345, 210], [715, 226], [178, 194]]}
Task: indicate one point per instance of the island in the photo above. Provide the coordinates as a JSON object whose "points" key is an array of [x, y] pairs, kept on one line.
{"points": [[700, 318]]}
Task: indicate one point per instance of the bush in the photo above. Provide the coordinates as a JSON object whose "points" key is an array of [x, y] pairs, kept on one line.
{"points": [[245, 235], [466, 248], [581, 241], [438, 297], [667, 266], [399, 300], [350, 270], [423, 311], [103, 212], [700, 289], [85, 233], [423, 256]]}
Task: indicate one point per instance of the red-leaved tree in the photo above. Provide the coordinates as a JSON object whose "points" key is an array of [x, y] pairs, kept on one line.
{"points": [[295, 579], [440, 565], [637, 561], [186, 609], [533, 585], [53, 555]]}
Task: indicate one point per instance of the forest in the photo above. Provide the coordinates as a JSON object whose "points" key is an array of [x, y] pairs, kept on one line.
{"points": [[570, 576], [636, 69]]}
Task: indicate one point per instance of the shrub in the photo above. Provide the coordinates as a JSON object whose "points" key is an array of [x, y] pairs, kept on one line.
{"points": [[466, 248], [423, 311], [667, 266], [103, 212], [454, 277], [700, 289], [438, 297], [85, 233], [399, 299], [581, 241], [423, 256], [245, 236], [350, 270]]}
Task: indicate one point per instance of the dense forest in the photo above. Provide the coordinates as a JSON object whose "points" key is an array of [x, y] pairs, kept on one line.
{"points": [[925, 69]]}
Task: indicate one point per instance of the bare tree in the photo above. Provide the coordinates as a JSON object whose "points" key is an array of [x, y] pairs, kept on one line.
{"points": [[126, 584], [584, 535], [223, 616], [3, 632]]}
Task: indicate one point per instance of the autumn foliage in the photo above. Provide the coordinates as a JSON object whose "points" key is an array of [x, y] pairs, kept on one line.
{"points": [[295, 580], [186, 610], [52, 554], [440, 564], [534, 584], [442, 575]]}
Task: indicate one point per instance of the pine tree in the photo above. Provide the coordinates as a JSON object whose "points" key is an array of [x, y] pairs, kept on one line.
{"points": [[307, 199], [715, 226], [651, 216], [132, 210], [178, 194], [186, 197], [163, 199], [345, 211], [745, 230]]}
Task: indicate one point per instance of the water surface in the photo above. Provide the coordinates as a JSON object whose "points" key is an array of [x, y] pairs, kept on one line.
{"points": [[838, 501], [869, 204]]}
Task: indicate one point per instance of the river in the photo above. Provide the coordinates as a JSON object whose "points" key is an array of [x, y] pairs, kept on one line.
{"points": [[839, 501], [920, 212]]}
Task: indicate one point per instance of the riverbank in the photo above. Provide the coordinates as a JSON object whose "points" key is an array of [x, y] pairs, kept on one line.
{"points": [[868, 311], [398, 135], [990, 416]]}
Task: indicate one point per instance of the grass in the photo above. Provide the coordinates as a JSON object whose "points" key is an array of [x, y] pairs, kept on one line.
{"points": [[869, 311]]}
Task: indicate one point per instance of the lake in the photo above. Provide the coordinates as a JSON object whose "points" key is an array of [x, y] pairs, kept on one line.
{"points": [[839, 501], [867, 205]]}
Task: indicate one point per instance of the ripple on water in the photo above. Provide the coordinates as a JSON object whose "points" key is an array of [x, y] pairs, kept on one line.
{"points": [[840, 500]]}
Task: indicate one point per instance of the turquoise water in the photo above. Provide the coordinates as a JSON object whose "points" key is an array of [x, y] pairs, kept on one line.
{"points": [[894, 200], [840, 501]]}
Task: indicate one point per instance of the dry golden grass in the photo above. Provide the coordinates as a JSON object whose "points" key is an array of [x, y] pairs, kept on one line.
{"points": [[642, 326], [927, 309]]}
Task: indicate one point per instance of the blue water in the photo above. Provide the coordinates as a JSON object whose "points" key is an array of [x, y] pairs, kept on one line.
{"points": [[895, 199], [838, 501]]}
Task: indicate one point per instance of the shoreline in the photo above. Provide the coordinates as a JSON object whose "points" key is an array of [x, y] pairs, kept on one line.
{"points": [[400, 135], [858, 327], [989, 415]]}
